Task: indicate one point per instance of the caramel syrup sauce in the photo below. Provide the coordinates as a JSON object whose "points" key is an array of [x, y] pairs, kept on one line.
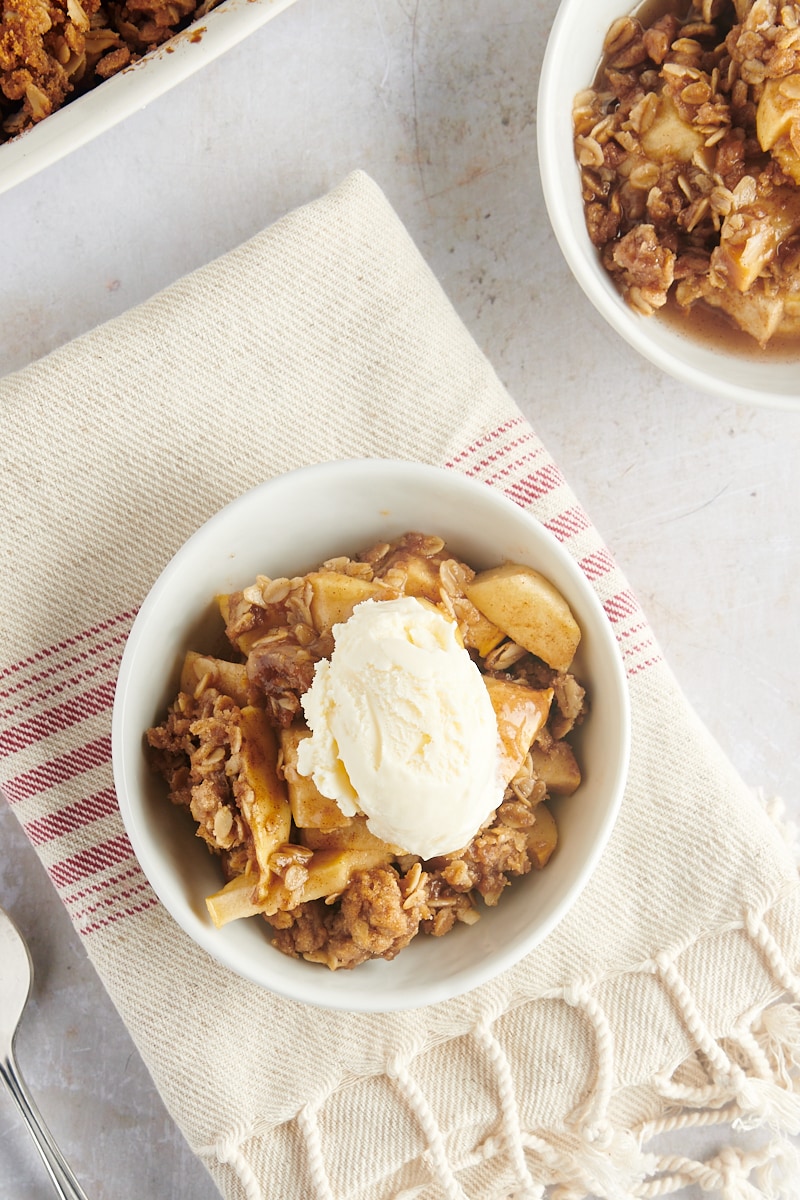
{"points": [[701, 322], [718, 331]]}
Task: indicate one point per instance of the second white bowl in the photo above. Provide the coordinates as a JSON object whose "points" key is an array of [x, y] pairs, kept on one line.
{"points": [[571, 61]]}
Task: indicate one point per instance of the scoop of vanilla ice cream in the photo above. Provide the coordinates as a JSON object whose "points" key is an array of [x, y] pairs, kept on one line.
{"points": [[403, 729]]}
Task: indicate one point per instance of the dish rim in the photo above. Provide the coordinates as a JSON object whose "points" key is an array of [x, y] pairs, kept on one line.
{"points": [[107, 104]]}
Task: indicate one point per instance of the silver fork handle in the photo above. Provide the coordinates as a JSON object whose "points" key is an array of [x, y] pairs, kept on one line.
{"points": [[58, 1169]]}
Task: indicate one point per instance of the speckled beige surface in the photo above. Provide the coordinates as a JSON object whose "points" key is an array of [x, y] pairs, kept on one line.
{"points": [[697, 498]]}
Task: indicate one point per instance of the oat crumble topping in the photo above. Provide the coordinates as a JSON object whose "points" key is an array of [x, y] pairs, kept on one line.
{"points": [[689, 151], [334, 893]]}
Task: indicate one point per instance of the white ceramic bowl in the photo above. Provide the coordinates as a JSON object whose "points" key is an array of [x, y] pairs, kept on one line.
{"points": [[571, 60], [287, 526], [91, 114]]}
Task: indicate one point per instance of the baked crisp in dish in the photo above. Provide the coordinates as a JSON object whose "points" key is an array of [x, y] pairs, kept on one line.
{"points": [[689, 149], [54, 50], [234, 746]]}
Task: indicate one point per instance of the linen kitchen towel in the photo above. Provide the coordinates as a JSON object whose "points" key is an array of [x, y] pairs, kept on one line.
{"points": [[666, 998]]}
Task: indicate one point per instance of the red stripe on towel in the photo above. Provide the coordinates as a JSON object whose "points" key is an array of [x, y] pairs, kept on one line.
{"points": [[58, 770], [134, 911], [108, 901], [90, 861], [492, 459], [73, 817], [568, 523], [56, 688], [49, 651], [536, 485], [634, 629], [632, 651], [596, 565], [623, 605], [650, 662], [56, 720], [96, 889], [487, 439]]}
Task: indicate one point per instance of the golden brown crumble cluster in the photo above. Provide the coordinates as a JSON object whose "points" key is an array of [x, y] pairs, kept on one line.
{"points": [[333, 892], [52, 50], [689, 148]]}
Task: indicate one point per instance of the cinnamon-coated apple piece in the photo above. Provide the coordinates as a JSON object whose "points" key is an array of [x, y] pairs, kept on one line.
{"points": [[529, 609], [521, 712]]}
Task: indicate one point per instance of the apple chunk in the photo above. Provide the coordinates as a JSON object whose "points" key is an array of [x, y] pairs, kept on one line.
{"points": [[228, 678], [520, 711], [543, 837], [334, 595], [555, 764], [260, 793], [778, 122], [310, 809], [669, 138], [354, 836], [530, 610]]}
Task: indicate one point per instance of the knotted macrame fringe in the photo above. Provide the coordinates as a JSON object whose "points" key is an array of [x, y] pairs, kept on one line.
{"points": [[752, 1081], [769, 1173], [778, 1036]]}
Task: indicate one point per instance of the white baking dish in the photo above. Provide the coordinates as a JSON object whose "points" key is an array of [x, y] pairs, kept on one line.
{"points": [[116, 98]]}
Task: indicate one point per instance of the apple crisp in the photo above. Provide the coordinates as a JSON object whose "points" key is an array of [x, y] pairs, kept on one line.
{"points": [[332, 891], [54, 50], [689, 151]]}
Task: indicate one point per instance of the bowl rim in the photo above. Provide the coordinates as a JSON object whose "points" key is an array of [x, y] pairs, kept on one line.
{"points": [[577, 249], [115, 99], [310, 991]]}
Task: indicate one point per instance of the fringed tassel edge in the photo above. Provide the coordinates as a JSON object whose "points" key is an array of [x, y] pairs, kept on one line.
{"points": [[753, 1082]]}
